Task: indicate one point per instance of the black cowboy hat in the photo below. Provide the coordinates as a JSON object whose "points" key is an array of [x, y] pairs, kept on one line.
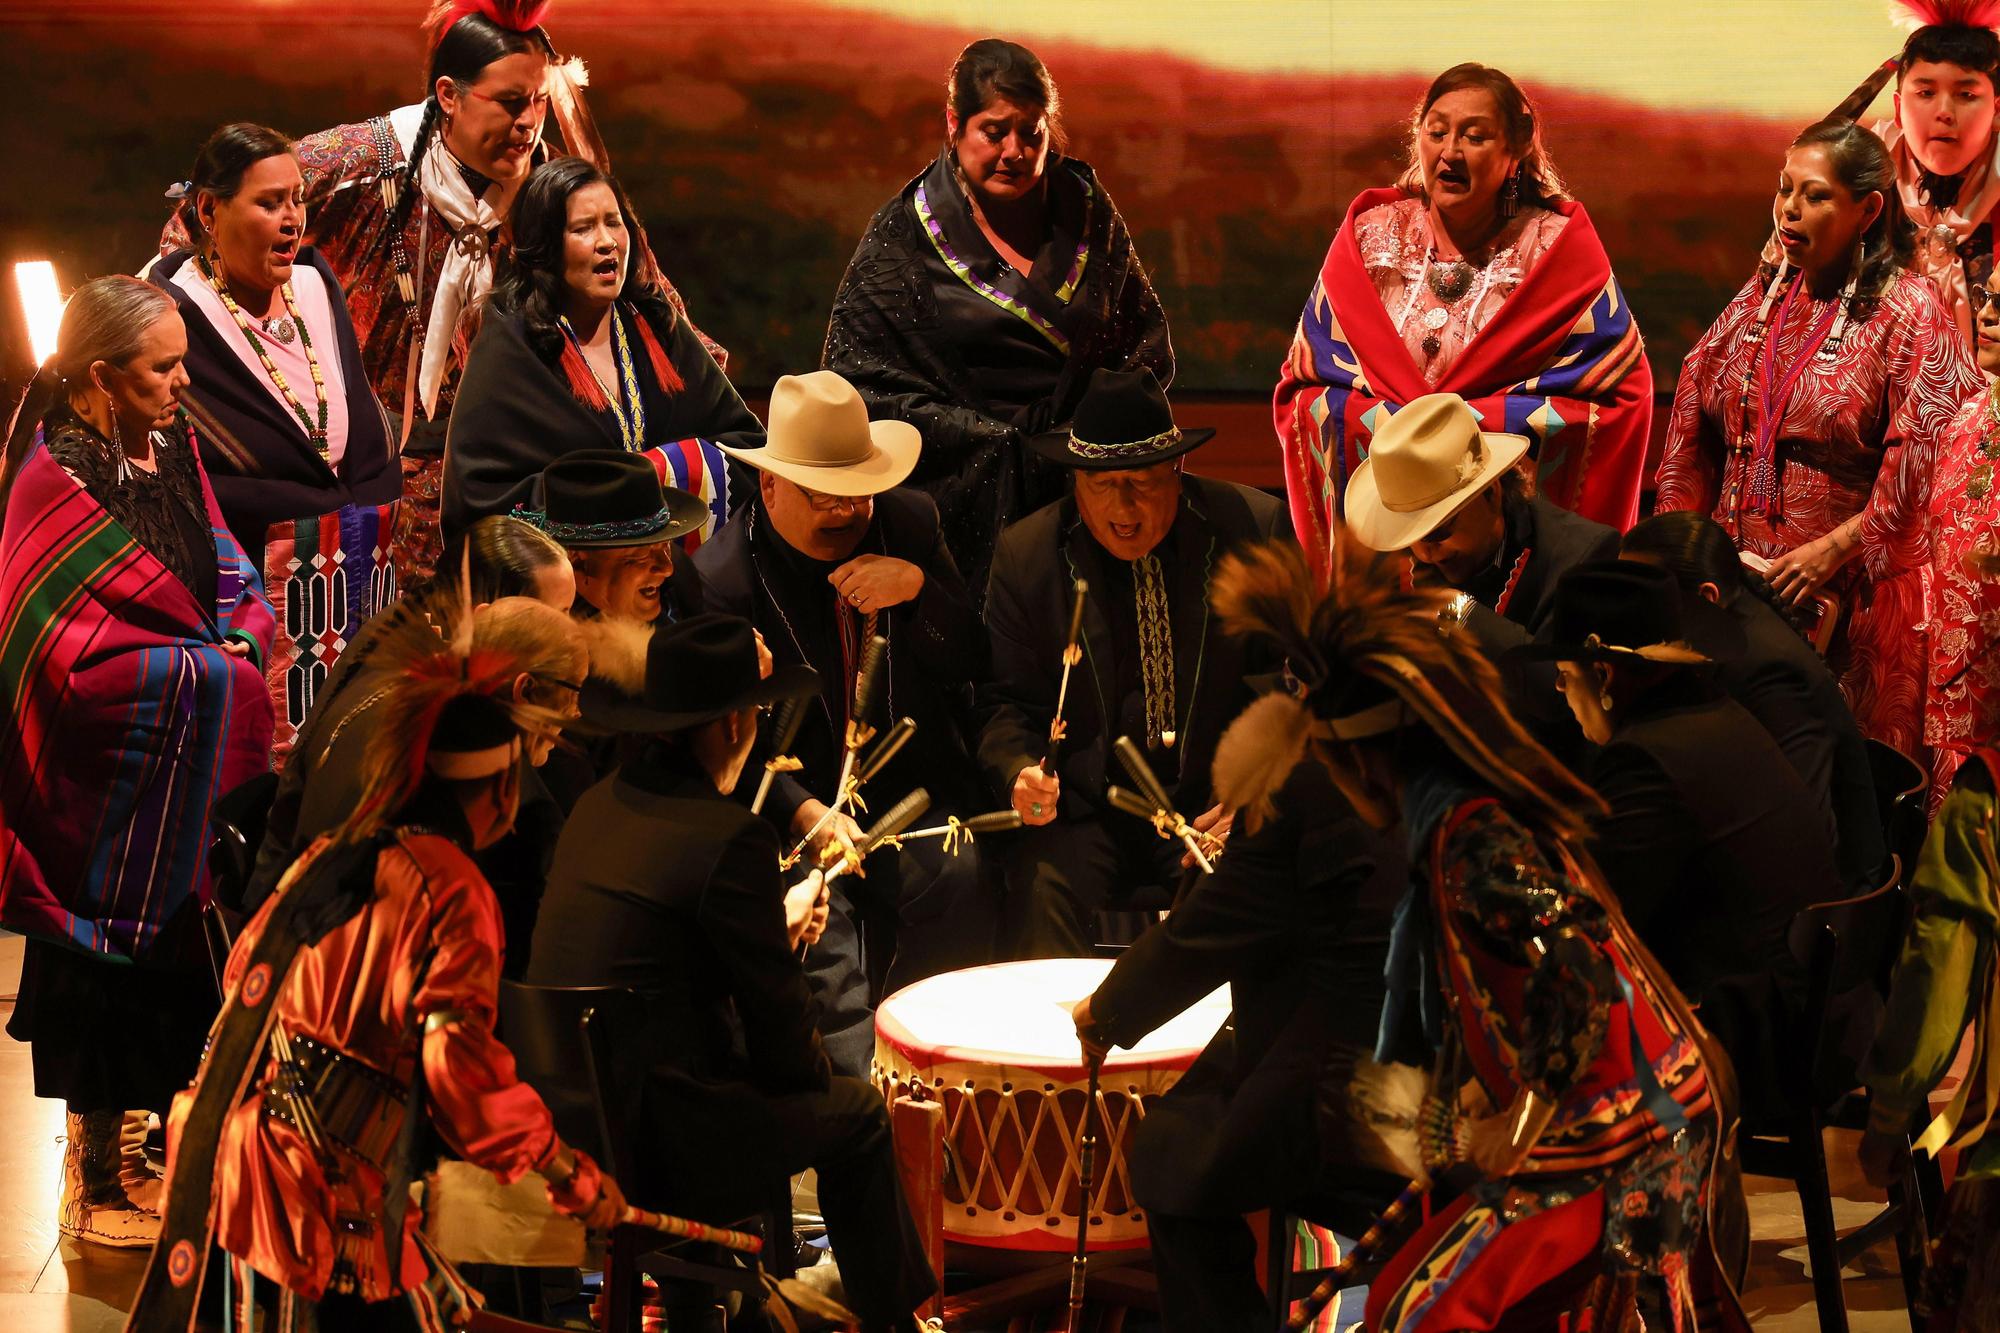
{"points": [[595, 498], [1621, 610], [697, 670], [1122, 423]]}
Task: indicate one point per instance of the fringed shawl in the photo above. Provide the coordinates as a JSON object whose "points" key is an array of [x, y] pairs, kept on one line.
{"points": [[125, 718], [1561, 362]]}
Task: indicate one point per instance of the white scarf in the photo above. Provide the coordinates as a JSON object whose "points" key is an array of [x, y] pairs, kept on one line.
{"points": [[467, 274], [1941, 230]]}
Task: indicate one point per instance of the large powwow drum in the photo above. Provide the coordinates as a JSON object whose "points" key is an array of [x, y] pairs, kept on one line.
{"points": [[996, 1047]]}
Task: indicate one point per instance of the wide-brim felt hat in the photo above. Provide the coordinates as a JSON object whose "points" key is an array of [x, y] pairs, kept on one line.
{"points": [[819, 437], [697, 670], [597, 498], [1624, 610], [1123, 422], [1424, 464]]}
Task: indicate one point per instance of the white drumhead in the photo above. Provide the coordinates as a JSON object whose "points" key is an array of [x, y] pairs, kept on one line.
{"points": [[1019, 1013]]}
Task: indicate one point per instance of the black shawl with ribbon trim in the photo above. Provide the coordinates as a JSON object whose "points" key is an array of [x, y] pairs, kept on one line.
{"points": [[262, 466], [935, 329]]}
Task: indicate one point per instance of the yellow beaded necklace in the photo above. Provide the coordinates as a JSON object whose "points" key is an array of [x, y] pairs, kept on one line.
{"points": [[315, 433]]}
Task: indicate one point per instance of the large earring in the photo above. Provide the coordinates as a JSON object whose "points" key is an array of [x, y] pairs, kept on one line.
{"points": [[1604, 700], [1510, 195]]}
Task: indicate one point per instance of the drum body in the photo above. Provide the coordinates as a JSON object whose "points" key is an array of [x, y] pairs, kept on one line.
{"points": [[996, 1047]]}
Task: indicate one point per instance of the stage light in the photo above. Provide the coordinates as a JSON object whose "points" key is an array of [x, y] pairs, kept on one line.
{"points": [[41, 305]]}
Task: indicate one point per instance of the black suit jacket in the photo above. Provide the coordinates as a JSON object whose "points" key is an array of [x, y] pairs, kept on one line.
{"points": [[1787, 687], [662, 884], [1713, 844], [1027, 617], [1295, 920], [936, 650]]}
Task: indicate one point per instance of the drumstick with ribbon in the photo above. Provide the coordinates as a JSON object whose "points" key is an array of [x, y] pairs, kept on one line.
{"points": [[740, 1241], [1321, 1296], [1086, 1173], [867, 690], [957, 832], [884, 833], [1162, 813], [1072, 654], [785, 722], [865, 770]]}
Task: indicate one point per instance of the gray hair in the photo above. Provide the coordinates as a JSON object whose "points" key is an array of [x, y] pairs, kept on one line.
{"points": [[105, 320]]}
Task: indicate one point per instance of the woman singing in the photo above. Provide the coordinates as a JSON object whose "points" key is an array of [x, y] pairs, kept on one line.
{"points": [[1796, 410]]}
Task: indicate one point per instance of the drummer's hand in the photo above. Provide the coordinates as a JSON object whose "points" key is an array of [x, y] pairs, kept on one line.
{"points": [[1035, 795], [805, 910], [765, 662], [1216, 822], [609, 1210], [1094, 1051], [838, 837]]}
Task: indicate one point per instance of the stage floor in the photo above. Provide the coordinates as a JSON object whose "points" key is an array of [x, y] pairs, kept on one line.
{"points": [[47, 1286]]}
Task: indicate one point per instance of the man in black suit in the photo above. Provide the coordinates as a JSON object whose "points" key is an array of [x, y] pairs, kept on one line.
{"points": [[1155, 665], [1451, 495], [1713, 843], [663, 884], [830, 552], [1285, 1105], [1784, 684]]}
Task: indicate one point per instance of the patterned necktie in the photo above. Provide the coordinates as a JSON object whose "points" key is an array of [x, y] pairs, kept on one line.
{"points": [[1156, 648]]}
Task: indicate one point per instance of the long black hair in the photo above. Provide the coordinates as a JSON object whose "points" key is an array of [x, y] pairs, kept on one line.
{"points": [[1862, 165], [462, 53], [219, 167], [530, 280], [1695, 550]]}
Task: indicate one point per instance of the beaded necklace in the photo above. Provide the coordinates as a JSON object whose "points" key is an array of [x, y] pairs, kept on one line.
{"points": [[1753, 475], [316, 434], [628, 405]]}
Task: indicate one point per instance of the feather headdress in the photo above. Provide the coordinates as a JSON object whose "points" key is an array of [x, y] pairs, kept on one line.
{"points": [[1911, 15], [513, 15], [1368, 658], [464, 663]]}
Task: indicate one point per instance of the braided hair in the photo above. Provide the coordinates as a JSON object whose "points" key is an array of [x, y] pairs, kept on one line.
{"points": [[466, 38]]}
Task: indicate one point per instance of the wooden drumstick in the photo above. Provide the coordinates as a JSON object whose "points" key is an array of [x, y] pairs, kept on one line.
{"points": [[1149, 785], [957, 830], [1164, 820], [868, 681], [1086, 1171], [901, 815], [1072, 654], [785, 722]]}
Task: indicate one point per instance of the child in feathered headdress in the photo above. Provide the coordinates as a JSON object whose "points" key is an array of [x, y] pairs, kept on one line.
{"points": [[1942, 140]]}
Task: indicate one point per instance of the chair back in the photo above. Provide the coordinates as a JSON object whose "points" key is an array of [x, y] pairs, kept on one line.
{"points": [[567, 1046], [235, 832], [1900, 787], [1849, 948]]}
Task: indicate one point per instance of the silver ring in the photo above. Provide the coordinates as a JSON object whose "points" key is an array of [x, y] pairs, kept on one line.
{"points": [[855, 598]]}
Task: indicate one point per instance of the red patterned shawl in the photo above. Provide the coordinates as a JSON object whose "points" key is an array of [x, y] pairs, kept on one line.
{"points": [[1561, 362]]}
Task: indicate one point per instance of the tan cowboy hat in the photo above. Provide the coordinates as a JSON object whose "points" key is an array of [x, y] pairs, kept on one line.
{"points": [[1422, 467], [820, 437]]}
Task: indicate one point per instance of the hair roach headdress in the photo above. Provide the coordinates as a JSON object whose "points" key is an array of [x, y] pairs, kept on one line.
{"points": [[513, 15], [1367, 660], [1914, 16]]}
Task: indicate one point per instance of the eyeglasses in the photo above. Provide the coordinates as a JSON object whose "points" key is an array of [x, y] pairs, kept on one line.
{"points": [[516, 106], [827, 504]]}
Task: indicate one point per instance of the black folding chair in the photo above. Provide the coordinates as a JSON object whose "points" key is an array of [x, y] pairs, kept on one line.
{"points": [[235, 831], [1848, 948], [1901, 785], [583, 1049]]}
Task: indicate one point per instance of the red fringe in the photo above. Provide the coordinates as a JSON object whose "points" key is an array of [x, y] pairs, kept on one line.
{"points": [[670, 379], [581, 382]]}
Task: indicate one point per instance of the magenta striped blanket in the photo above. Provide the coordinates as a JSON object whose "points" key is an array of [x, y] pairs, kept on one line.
{"points": [[123, 720]]}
